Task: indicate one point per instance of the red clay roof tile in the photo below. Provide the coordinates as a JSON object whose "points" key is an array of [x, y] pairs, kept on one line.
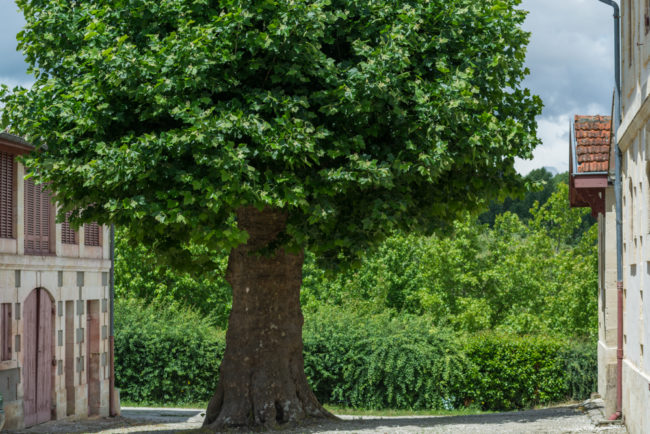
{"points": [[593, 136]]}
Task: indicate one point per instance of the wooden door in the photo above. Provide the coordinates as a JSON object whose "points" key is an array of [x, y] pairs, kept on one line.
{"points": [[37, 357], [69, 358], [92, 321]]}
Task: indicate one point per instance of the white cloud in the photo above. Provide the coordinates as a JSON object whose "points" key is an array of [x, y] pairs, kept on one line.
{"points": [[12, 63], [12, 82], [570, 57], [554, 150]]}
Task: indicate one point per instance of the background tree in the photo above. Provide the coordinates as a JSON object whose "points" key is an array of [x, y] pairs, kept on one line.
{"points": [[542, 184], [516, 277], [264, 127], [139, 275]]}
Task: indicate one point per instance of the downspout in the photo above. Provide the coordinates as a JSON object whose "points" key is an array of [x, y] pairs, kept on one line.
{"points": [[111, 338], [619, 212]]}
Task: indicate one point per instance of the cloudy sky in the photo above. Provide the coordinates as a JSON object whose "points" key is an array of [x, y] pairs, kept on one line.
{"points": [[569, 56]]}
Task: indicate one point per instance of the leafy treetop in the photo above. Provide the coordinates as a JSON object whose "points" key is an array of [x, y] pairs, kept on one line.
{"points": [[356, 117]]}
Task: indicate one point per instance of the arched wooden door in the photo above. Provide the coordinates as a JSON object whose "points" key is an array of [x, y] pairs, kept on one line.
{"points": [[37, 357]]}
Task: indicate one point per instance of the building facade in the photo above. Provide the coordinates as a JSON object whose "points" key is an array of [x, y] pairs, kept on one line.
{"points": [[633, 138], [54, 304], [591, 185]]}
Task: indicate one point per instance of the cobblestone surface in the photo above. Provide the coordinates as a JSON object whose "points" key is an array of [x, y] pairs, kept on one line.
{"points": [[586, 418]]}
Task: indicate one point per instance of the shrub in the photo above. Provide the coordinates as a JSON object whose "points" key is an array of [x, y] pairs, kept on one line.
{"points": [[580, 365], [382, 362], [166, 355], [170, 355], [520, 372]]}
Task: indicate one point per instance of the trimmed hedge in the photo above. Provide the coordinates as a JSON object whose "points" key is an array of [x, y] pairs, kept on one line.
{"points": [[516, 372], [374, 362]]}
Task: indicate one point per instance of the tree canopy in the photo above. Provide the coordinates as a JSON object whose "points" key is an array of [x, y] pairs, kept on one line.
{"points": [[355, 117]]}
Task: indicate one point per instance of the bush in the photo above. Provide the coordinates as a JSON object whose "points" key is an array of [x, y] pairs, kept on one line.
{"points": [[580, 366], [521, 372], [167, 355], [406, 363], [172, 356], [382, 362]]}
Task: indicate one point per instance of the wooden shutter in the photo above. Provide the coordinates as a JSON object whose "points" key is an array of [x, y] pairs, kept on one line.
{"points": [[91, 234], [6, 195], [37, 219], [5, 324], [68, 235]]}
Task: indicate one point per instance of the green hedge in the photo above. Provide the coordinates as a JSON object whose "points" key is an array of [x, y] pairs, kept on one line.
{"points": [[580, 367], [166, 355], [517, 372], [378, 362], [172, 356]]}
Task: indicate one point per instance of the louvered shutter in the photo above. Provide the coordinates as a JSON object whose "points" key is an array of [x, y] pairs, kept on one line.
{"points": [[91, 234], [68, 235], [6, 195], [37, 219]]}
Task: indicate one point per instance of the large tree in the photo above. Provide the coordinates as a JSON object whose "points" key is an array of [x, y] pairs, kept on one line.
{"points": [[266, 127]]}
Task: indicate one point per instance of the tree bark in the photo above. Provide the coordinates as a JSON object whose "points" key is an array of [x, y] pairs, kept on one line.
{"points": [[262, 380]]}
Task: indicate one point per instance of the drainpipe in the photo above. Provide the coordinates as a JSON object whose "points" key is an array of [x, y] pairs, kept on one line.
{"points": [[619, 212], [111, 339]]}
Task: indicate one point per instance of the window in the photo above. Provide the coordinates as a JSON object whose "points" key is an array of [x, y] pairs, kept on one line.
{"points": [[91, 234], [37, 219], [68, 235], [5, 326], [6, 195]]}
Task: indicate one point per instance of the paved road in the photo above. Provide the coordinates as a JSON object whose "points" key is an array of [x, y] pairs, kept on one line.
{"points": [[564, 419]]}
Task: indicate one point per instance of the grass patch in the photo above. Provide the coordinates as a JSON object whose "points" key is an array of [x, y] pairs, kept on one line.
{"points": [[332, 408], [127, 403], [390, 413]]}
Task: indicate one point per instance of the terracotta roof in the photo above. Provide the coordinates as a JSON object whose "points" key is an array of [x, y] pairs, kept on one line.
{"points": [[593, 137]]}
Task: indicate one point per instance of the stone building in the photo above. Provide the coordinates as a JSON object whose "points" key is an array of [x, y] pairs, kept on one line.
{"points": [[633, 139], [54, 304], [591, 184]]}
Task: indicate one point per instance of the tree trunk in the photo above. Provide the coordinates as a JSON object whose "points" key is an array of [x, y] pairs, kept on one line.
{"points": [[262, 380]]}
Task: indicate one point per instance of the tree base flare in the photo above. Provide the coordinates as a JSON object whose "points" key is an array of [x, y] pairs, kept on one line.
{"points": [[262, 382]]}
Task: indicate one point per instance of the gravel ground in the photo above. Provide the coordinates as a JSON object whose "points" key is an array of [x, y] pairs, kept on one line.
{"points": [[585, 418]]}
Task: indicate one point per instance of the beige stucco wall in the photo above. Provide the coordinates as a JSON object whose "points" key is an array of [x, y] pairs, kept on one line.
{"points": [[634, 139], [76, 274], [607, 326], [636, 399]]}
